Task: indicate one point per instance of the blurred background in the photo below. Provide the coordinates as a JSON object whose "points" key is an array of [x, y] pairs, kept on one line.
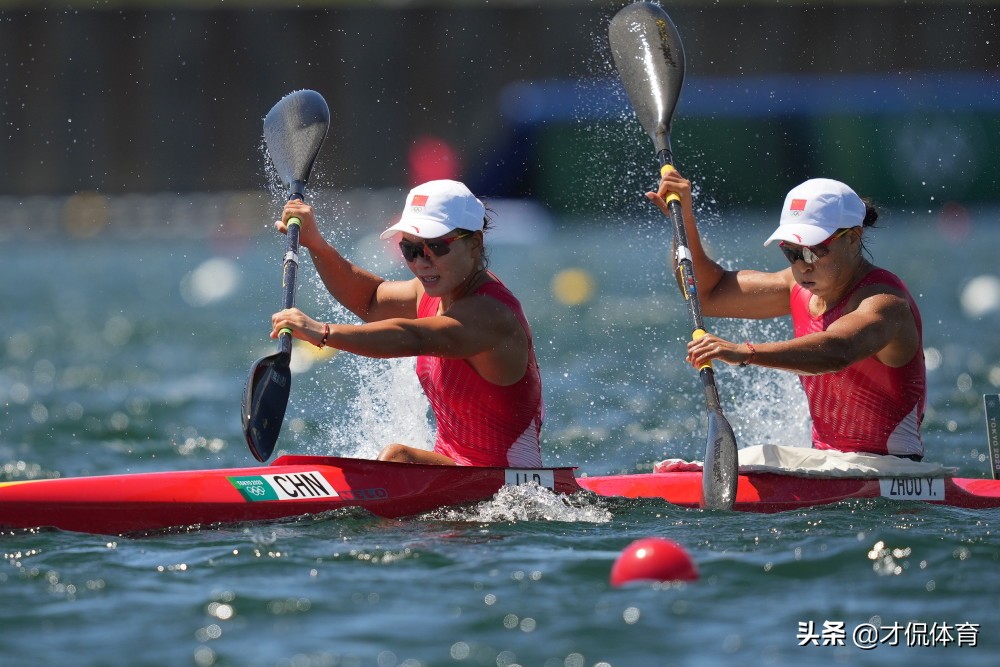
{"points": [[103, 99]]}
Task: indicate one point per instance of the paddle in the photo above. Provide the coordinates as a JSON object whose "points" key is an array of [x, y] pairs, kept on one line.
{"points": [[649, 57], [294, 130]]}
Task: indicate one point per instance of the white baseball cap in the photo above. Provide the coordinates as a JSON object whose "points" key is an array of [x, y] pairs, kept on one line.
{"points": [[814, 210], [436, 208]]}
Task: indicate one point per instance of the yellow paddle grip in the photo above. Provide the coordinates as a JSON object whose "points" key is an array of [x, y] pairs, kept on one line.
{"points": [[673, 196], [695, 335]]}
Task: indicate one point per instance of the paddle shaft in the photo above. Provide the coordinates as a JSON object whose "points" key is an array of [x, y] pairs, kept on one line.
{"points": [[289, 269], [720, 478], [685, 276]]}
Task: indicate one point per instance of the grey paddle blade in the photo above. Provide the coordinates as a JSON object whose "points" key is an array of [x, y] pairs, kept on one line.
{"points": [[294, 130], [649, 57], [721, 472]]}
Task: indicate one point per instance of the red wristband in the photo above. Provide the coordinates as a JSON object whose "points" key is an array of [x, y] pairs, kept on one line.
{"points": [[753, 352], [326, 334]]}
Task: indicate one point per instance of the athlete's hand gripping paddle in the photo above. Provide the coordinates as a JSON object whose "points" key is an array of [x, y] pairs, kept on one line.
{"points": [[649, 57], [294, 130]]}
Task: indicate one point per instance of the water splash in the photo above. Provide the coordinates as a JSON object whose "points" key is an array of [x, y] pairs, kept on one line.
{"points": [[529, 502], [356, 406], [390, 407], [765, 406]]}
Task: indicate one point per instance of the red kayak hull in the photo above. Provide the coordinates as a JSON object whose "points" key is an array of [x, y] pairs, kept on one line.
{"points": [[302, 485], [292, 486], [769, 492]]}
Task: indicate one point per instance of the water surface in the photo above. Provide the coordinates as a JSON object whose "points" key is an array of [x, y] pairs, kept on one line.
{"points": [[128, 354]]}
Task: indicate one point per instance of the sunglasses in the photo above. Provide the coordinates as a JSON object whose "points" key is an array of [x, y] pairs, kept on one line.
{"points": [[809, 254], [437, 247]]}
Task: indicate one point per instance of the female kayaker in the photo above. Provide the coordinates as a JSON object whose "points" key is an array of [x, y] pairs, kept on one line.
{"points": [[858, 340], [475, 357]]}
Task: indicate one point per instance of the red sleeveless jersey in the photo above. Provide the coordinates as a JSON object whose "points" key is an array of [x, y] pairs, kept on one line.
{"points": [[867, 407], [478, 422]]}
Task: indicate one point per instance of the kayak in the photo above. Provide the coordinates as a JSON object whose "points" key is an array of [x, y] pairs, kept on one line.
{"points": [[766, 492], [294, 486], [291, 486]]}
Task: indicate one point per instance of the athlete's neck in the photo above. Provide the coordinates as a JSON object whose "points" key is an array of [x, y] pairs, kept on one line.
{"points": [[471, 282], [859, 272]]}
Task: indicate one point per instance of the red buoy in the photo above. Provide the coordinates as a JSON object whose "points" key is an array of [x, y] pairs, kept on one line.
{"points": [[653, 559]]}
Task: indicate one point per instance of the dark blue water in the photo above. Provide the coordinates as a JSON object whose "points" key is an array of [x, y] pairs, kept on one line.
{"points": [[128, 352]]}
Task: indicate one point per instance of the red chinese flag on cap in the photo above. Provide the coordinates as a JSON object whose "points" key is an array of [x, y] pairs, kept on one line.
{"points": [[418, 200], [797, 205]]}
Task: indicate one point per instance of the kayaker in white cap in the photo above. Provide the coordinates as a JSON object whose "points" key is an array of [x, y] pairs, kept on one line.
{"points": [[858, 343], [475, 357]]}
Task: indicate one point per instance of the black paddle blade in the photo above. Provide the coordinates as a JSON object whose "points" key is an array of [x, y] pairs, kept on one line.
{"points": [[721, 472], [649, 57], [294, 130], [264, 402]]}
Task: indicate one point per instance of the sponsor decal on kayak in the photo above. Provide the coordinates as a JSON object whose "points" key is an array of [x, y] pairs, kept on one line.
{"points": [[364, 494], [286, 486], [912, 488], [515, 476]]}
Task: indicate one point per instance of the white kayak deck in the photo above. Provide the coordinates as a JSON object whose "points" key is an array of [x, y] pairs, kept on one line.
{"points": [[808, 462]]}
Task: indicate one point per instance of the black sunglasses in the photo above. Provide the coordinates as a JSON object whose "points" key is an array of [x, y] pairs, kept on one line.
{"points": [[438, 247], [809, 254]]}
